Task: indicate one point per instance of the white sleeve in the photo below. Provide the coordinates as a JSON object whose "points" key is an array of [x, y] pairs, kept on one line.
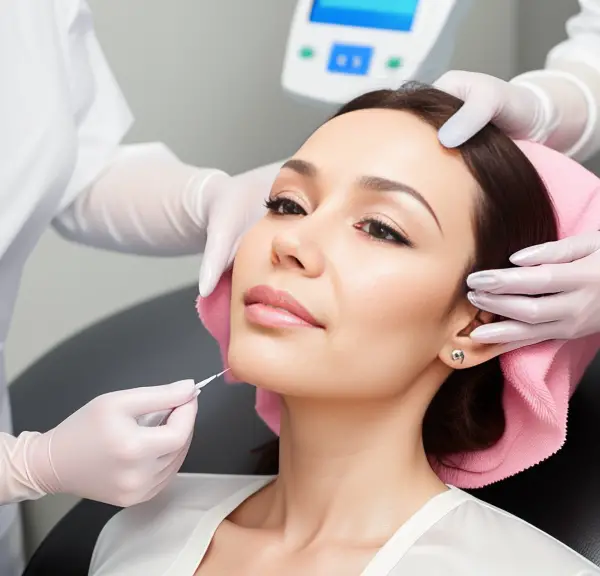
{"points": [[148, 202], [16, 481], [571, 83]]}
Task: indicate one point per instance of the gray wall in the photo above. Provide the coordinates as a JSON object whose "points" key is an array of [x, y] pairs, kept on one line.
{"points": [[207, 84], [541, 26]]}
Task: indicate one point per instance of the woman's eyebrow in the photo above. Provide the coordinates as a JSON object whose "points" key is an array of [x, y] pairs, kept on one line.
{"points": [[377, 184], [370, 183], [302, 167]]}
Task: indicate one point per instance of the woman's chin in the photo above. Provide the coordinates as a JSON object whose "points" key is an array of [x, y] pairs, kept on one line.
{"points": [[267, 370], [258, 373]]}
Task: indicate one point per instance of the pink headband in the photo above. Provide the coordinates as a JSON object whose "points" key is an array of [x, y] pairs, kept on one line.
{"points": [[539, 380]]}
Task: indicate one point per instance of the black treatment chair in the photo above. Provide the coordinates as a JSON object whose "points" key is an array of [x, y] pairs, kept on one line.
{"points": [[162, 341]]}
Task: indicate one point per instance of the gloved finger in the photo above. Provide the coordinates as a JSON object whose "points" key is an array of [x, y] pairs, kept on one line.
{"points": [[169, 475], [166, 474], [523, 308], [216, 257], [562, 251], [472, 116], [173, 435], [234, 250], [157, 489], [544, 279], [479, 108], [140, 401], [167, 460], [171, 460], [515, 334]]}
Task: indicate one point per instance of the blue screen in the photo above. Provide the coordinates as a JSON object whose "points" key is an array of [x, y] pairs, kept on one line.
{"points": [[382, 14]]}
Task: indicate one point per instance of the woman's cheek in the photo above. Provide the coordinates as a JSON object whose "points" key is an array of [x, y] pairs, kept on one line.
{"points": [[407, 286]]}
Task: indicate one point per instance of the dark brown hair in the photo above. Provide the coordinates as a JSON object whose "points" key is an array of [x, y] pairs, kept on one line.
{"points": [[514, 211]]}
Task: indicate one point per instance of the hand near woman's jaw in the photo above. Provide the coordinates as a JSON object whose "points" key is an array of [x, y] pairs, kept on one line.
{"points": [[566, 273], [101, 452], [231, 205]]}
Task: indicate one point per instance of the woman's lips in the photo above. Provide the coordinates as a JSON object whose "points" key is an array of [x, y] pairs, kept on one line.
{"points": [[276, 309]]}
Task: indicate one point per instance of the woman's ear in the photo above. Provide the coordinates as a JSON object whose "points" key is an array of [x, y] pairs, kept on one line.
{"points": [[462, 352]]}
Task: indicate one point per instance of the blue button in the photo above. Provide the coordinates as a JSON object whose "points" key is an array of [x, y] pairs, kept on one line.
{"points": [[348, 59]]}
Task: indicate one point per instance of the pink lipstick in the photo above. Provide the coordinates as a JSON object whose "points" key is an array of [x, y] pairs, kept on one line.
{"points": [[276, 309]]}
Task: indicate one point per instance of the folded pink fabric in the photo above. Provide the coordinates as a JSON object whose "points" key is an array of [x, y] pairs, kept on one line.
{"points": [[539, 380]]}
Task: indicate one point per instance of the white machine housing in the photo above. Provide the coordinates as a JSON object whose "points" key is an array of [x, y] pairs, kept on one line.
{"points": [[334, 61]]}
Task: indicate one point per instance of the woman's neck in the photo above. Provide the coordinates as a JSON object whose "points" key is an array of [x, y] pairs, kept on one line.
{"points": [[349, 471]]}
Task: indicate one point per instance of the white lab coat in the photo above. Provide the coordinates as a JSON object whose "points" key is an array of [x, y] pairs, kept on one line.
{"points": [[62, 117], [583, 43], [454, 534], [578, 56]]}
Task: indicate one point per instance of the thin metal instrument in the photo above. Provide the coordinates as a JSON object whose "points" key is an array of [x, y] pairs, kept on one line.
{"points": [[159, 418]]}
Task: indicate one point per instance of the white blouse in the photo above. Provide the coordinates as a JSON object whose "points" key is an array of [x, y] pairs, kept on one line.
{"points": [[454, 534]]}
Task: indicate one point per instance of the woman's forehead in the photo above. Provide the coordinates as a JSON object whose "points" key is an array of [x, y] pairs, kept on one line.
{"points": [[385, 143], [397, 146]]}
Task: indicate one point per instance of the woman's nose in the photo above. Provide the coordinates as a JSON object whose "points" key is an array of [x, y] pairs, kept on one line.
{"points": [[293, 252]]}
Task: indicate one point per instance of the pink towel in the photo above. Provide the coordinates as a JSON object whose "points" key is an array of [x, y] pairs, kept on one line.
{"points": [[539, 380]]}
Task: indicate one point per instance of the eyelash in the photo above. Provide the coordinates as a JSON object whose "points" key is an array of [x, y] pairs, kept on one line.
{"points": [[275, 205]]}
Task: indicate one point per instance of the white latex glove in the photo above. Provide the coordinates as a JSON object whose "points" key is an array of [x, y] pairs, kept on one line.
{"points": [[518, 110], [230, 206], [555, 107], [101, 453], [568, 270]]}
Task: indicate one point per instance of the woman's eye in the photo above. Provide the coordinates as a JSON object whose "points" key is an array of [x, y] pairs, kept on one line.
{"points": [[383, 232], [284, 206]]}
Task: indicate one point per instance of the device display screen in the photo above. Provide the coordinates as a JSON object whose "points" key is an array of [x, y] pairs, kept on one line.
{"points": [[382, 14]]}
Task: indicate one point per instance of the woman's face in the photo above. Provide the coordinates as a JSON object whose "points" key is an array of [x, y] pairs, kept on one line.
{"points": [[370, 231]]}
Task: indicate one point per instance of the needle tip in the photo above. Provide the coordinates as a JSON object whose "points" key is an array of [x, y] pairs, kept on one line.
{"points": [[208, 380]]}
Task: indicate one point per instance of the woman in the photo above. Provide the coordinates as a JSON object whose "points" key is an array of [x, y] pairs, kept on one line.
{"points": [[348, 301], [558, 106]]}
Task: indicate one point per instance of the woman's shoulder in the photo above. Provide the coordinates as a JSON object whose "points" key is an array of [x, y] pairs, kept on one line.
{"points": [[487, 537], [164, 523]]}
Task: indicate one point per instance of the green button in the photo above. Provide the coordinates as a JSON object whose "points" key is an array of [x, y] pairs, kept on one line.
{"points": [[394, 62], [306, 52]]}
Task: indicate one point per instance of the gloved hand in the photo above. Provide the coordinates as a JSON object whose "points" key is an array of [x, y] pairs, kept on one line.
{"points": [[101, 453], [568, 270], [517, 109], [230, 206]]}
